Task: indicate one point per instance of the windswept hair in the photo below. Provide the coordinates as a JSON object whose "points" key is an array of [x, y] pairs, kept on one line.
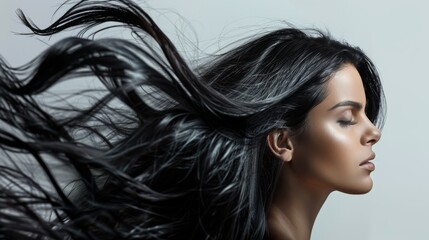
{"points": [[159, 150]]}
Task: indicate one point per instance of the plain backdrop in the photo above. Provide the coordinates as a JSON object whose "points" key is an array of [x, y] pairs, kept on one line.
{"points": [[393, 33]]}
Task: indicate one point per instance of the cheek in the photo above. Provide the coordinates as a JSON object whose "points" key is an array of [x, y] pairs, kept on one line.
{"points": [[335, 147], [328, 156]]}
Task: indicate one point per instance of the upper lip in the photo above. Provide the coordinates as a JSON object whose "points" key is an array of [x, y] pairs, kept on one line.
{"points": [[372, 156]]}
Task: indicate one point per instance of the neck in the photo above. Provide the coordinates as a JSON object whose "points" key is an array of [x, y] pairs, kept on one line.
{"points": [[295, 207]]}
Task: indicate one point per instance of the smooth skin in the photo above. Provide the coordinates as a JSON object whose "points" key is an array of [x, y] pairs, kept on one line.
{"points": [[327, 157]]}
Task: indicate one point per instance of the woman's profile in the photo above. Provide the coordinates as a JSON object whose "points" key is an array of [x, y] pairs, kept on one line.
{"points": [[248, 145]]}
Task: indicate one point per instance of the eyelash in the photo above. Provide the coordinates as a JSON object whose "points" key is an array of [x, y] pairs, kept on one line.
{"points": [[346, 123]]}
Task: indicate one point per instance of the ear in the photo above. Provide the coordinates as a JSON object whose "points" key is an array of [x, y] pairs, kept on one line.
{"points": [[280, 144]]}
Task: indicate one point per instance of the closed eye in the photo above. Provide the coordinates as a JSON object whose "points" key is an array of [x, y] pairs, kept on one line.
{"points": [[346, 123]]}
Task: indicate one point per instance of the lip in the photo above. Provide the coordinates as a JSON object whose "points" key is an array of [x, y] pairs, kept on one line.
{"points": [[368, 165]]}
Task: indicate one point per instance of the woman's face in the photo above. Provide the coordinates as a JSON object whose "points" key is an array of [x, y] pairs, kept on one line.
{"points": [[338, 138]]}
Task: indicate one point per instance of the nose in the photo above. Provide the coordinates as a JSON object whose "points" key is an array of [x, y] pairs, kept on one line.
{"points": [[372, 135]]}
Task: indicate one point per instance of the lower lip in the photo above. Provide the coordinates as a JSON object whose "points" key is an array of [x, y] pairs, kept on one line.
{"points": [[369, 166]]}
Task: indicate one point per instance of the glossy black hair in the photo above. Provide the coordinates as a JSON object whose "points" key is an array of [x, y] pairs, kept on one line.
{"points": [[163, 151]]}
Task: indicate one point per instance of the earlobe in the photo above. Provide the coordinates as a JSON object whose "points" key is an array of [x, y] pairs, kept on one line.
{"points": [[280, 144]]}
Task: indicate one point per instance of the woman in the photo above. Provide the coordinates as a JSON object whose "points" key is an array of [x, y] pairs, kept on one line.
{"points": [[247, 146]]}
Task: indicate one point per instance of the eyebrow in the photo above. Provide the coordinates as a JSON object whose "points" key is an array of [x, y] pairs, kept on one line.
{"points": [[353, 104]]}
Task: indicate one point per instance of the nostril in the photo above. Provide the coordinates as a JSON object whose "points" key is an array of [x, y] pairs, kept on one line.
{"points": [[371, 135], [374, 137], [372, 141]]}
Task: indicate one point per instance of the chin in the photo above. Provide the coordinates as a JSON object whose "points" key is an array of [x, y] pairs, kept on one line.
{"points": [[362, 187]]}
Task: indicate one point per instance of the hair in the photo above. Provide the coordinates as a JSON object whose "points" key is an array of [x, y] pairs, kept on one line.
{"points": [[161, 151]]}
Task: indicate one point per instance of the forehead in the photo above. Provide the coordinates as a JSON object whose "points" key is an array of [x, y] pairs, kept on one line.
{"points": [[345, 85]]}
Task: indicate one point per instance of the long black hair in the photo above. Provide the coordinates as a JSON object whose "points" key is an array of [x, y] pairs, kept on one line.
{"points": [[160, 150]]}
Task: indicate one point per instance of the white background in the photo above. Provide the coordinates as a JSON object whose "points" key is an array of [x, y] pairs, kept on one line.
{"points": [[395, 35]]}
